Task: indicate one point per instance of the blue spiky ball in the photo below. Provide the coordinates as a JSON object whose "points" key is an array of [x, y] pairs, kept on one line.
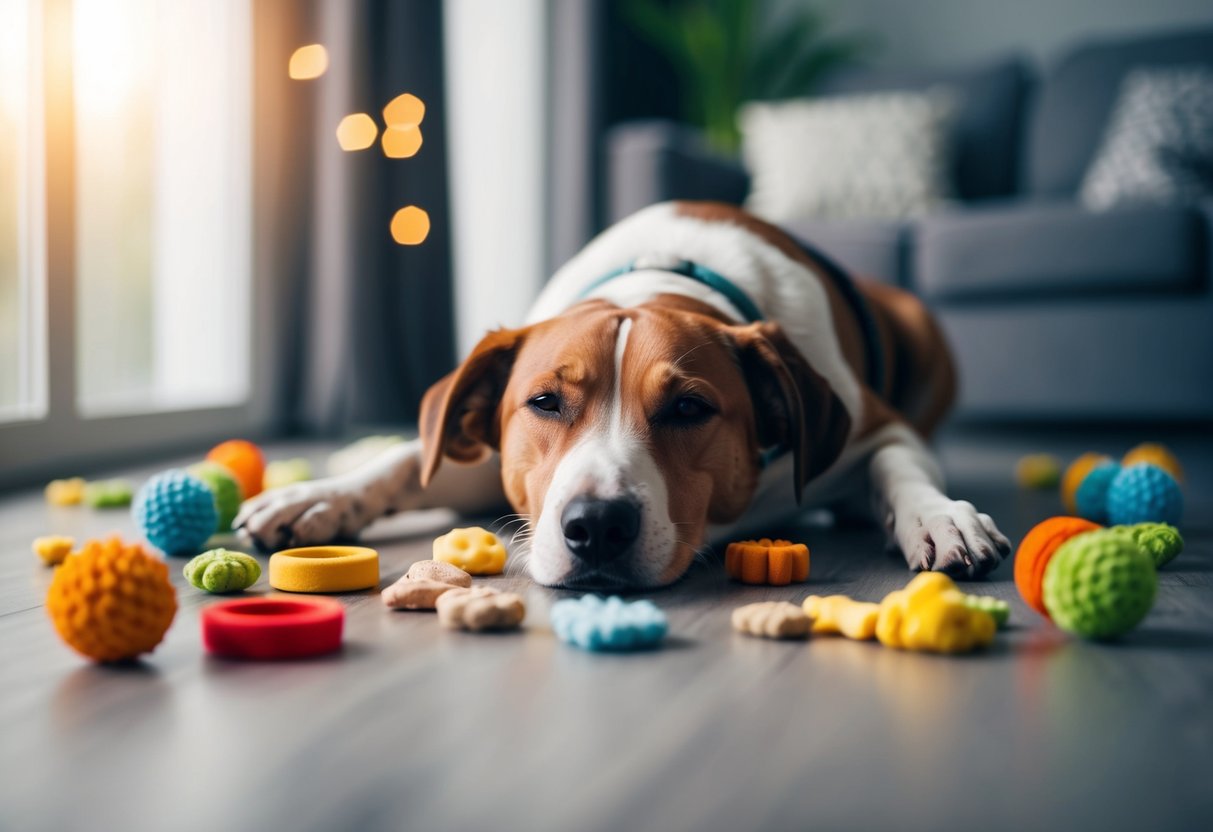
{"points": [[176, 512], [1091, 498], [1144, 493]]}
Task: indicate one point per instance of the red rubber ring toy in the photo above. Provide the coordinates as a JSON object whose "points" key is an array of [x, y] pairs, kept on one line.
{"points": [[272, 628]]}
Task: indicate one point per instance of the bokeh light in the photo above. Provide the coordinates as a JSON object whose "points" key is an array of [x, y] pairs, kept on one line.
{"points": [[403, 111], [410, 226], [308, 62], [401, 143], [357, 132]]}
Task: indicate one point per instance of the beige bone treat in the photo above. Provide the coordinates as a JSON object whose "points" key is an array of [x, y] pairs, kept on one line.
{"points": [[842, 615], [436, 570], [423, 583], [771, 619], [480, 608]]}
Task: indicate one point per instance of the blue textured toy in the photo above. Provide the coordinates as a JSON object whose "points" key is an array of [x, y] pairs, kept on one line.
{"points": [[1144, 493], [176, 512], [1091, 498], [594, 623]]}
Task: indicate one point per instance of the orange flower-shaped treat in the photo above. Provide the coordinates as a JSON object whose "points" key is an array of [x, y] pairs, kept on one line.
{"points": [[112, 600], [1037, 549], [766, 561]]}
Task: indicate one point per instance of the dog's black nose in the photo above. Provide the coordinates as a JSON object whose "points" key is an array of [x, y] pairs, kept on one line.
{"points": [[597, 531]]}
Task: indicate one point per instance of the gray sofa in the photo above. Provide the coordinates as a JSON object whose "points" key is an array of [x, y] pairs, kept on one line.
{"points": [[1055, 313]]}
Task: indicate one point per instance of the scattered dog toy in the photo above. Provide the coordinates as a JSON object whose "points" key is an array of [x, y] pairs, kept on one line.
{"points": [[1100, 584], [108, 494], [475, 550], [838, 614], [1155, 454], [772, 619], [65, 492], [766, 561], [1075, 474], [1144, 493], [1035, 551], [176, 512], [111, 601], [1038, 472], [222, 570], [224, 487], [423, 583], [480, 608], [1091, 497], [324, 569], [272, 628], [996, 608], [1161, 542], [610, 624], [282, 472], [930, 614], [53, 549], [356, 453], [244, 460]]}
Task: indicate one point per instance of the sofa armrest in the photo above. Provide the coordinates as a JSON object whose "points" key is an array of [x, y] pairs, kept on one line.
{"points": [[654, 161]]}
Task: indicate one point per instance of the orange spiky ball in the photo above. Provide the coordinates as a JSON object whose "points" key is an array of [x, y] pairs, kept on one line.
{"points": [[111, 600]]}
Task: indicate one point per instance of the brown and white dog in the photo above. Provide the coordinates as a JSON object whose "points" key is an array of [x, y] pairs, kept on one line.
{"points": [[630, 420]]}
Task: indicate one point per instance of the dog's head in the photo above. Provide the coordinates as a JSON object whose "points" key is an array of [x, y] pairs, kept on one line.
{"points": [[624, 432]]}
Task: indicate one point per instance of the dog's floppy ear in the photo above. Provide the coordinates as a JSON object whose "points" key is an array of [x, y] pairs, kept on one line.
{"points": [[459, 413], [793, 405]]}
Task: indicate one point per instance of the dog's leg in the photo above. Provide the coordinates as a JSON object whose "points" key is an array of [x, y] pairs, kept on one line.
{"points": [[340, 507], [932, 531]]}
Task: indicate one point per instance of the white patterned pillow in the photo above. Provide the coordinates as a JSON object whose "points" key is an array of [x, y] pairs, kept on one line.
{"points": [[872, 156], [1158, 145]]}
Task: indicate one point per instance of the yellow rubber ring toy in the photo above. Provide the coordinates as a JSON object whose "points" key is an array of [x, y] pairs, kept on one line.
{"points": [[324, 569]]}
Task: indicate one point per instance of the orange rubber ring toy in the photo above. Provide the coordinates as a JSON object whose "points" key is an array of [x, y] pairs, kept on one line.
{"points": [[1037, 549], [324, 569]]}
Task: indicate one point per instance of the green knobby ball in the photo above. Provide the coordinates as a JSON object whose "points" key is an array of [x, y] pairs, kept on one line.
{"points": [[225, 488], [1160, 541], [222, 570], [1100, 584], [108, 494], [996, 608]]}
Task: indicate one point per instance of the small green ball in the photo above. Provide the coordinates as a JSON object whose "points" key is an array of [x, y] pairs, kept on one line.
{"points": [[1160, 541], [222, 570], [996, 608], [108, 494], [226, 490], [1100, 584]]}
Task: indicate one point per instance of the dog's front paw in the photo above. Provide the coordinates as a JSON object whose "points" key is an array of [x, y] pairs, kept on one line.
{"points": [[303, 514], [950, 536]]}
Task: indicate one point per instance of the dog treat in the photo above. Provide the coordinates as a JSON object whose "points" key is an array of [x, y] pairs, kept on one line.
{"points": [[931, 615], [244, 460], [108, 494], [423, 583], [1035, 551], [1161, 542], [436, 570], [1155, 454], [1100, 585], [480, 608], [111, 600], [176, 512], [1075, 474], [1144, 493], [772, 619], [842, 615], [225, 488], [1091, 498], [222, 570], [53, 549], [282, 472], [1038, 472], [766, 561], [608, 624], [475, 550], [65, 492], [996, 608]]}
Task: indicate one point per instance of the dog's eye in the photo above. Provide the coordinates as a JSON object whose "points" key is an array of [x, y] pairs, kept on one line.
{"points": [[545, 402], [688, 410]]}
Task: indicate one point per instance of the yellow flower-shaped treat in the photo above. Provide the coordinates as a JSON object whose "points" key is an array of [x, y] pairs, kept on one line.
{"points": [[930, 614], [475, 550]]}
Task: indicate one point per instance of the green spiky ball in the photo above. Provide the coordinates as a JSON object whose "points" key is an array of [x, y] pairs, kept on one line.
{"points": [[996, 608], [1160, 541], [1100, 584], [225, 488], [222, 570]]}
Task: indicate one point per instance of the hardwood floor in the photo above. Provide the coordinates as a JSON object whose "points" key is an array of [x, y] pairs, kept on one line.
{"points": [[415, 727]]}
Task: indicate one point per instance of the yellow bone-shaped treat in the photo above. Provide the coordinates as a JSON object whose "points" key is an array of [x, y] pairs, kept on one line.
{"points": [[930, 614], [840, 614], [475, 550]]}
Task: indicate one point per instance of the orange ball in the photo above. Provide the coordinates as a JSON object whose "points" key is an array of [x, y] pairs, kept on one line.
{"points": [[774, 562], [245, 461], [1158, 455], [111, 600], [1075, 474], [1035, 551]]}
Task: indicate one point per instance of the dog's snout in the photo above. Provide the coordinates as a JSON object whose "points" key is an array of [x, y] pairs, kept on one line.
{"points": [[598, 530]]}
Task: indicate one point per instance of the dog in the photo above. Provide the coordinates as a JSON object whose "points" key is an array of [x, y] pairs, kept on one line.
{"points": [[692, 370]]}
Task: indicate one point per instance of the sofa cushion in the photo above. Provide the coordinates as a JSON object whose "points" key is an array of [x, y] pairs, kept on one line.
{"points": [[1043, 249], [873, 249], [988, 119], [1077, 96]]}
